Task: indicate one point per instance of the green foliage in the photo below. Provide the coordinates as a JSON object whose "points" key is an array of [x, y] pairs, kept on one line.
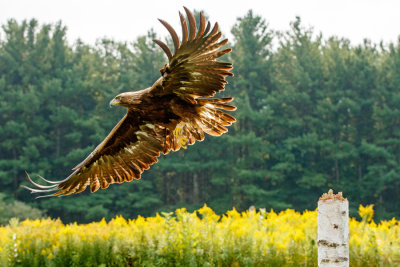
{"points": [[17, 210], [313, 114]]}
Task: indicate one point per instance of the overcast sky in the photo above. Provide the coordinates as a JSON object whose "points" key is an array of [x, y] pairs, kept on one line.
{"points": [[124, 20]]}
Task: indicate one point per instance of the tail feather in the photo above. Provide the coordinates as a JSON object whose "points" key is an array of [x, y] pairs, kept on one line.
{"points": [[209, 118], [212, 119], [205, 101], [225, 106], [212, 128]]}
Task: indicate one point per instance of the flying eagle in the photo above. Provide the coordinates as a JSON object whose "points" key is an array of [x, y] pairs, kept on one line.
{"points": [[170, 114]]}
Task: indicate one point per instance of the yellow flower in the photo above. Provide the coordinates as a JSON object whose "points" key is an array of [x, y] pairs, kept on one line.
{"points": [[119, 221], [367, 212], [288, 235]]}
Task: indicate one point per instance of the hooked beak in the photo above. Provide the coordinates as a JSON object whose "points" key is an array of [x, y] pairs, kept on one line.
{"points": [[114, 102]]}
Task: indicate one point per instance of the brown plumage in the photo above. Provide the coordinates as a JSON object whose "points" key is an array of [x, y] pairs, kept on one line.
{"points": [[166, 116]]}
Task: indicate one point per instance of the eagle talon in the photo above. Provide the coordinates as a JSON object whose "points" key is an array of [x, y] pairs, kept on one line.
{"points": [[181, 139]]}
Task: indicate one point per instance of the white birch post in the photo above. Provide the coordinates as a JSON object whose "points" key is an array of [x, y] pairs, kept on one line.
{"points": [[333, 230]]}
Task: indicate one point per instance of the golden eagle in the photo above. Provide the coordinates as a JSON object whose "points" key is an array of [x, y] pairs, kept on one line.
{"points": [[168, 115]]}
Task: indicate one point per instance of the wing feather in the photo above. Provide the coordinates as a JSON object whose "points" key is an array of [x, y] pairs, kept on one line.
{"points": [[171, 30], [207, 28], [202, 25], [192, 24], [130, 148], [192, 70], [164, 48], [184, 29]]}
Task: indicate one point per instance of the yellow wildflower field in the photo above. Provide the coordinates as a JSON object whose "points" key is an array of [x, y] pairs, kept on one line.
{"points": [[200, 238]]}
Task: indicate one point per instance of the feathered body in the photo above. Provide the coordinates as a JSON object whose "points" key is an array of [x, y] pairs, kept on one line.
{"points": [[171, 113]]}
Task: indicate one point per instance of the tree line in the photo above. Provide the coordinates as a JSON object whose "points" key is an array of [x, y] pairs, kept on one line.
{"points": [[313, 113]]}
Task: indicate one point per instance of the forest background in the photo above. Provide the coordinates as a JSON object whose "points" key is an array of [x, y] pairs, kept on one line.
{"points": [[313, 113]]}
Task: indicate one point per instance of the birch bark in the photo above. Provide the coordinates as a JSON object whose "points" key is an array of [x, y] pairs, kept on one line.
{"points": [[333, 230]]}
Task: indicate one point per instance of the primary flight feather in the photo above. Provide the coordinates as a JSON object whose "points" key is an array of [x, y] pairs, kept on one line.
{"points": [[168, 115]]}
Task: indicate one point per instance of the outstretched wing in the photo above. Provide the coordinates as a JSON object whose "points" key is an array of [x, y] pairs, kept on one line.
{"points": [[192, 70], [129, 149]]}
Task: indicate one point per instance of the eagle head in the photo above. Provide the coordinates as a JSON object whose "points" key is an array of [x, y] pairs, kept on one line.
{"points": [[128, 99]]}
